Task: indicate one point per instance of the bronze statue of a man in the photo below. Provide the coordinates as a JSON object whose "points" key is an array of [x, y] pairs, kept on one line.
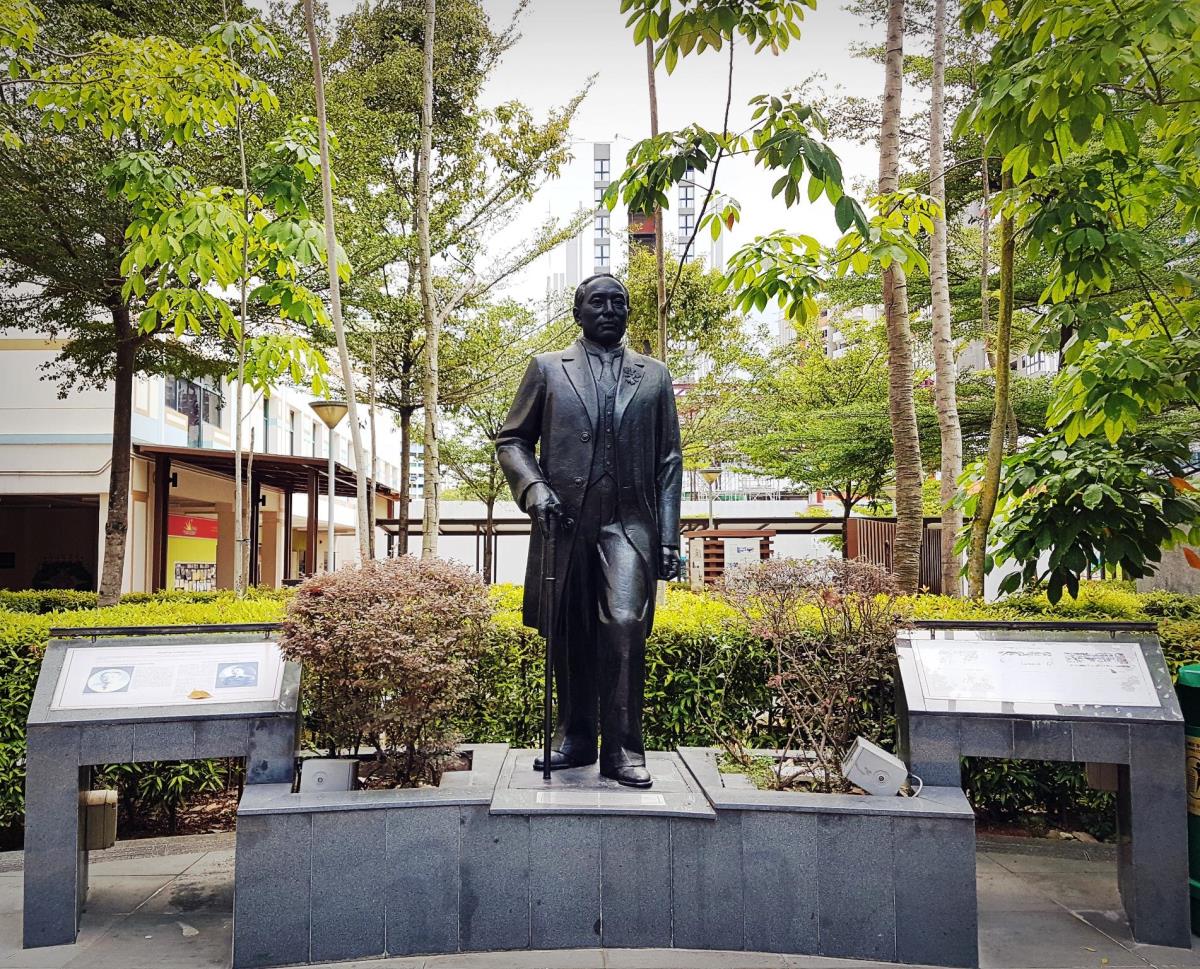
{"points": [[607, 463]]}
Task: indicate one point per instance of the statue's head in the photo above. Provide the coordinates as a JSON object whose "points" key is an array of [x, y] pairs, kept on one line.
{"points": [[602, 309]]}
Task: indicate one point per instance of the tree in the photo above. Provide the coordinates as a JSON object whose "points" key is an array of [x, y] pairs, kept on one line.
{"points": [[703, 320], [489, 359], [946, 370], [786, 267], [823, 421], [1090, 109], [489, 163], [428, 308], [75, 122], [660, 254], [906, 552], [984, 506], [366, 515]]}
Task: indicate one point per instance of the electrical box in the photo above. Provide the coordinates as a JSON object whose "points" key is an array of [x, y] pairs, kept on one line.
{"points": [[872, 768], [328, 774], [100, 824]]}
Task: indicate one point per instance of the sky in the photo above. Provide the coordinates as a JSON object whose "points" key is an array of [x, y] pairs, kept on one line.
{"points": [[564, 42]]}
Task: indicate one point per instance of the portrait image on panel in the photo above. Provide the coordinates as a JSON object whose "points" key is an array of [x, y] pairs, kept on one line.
{"points": [[231, 675], [109, 679]]}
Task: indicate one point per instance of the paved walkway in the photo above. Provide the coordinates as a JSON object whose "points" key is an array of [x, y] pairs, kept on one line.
{"points": [[167, 903]]}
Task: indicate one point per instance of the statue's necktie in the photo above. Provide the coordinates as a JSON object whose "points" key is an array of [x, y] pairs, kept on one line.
{"points": [[608, 371]]}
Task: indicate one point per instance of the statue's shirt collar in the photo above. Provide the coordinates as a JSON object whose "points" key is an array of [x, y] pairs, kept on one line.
{"points": [[604, 353]]}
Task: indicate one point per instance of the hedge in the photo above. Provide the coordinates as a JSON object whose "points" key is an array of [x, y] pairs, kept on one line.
{"points": [[699, 653], [46, 600], [69, 600]]}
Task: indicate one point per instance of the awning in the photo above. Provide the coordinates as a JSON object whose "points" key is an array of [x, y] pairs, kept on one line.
{"points": [[284, 472]]}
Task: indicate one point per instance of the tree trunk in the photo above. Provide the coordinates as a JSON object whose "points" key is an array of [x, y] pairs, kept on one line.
{"points": [[990, 486], [429, 528], [245, 510], [660, 255], [985, 254], [406, 414], [374, 455], [240, 578], [847, 508], [335, 289], [906, 443], [489, 526], [945, 392], [116, 526]]}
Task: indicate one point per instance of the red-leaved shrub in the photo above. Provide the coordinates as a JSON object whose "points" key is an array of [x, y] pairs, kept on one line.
{"points": [[831, 625], [389, 650]]}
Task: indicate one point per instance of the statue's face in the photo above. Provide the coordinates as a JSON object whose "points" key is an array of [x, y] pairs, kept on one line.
{"points": [[604, 312]]}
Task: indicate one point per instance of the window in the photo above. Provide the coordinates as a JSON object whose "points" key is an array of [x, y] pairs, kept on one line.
{"points": [[316, 439], [266, 440], [687, 196], [600, 193], [602, 169], [292, 421], [687, 223], [212, 406], [602, 253], [601, 226]]}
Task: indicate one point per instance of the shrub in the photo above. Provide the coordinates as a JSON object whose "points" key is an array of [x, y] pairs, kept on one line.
{"points": [[158, 791], [830, 676], [46, 600], [1038, 793], [1170, 605], [389, 649], [253, 594]]}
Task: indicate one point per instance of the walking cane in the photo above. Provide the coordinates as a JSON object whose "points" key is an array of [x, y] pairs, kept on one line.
{"points": [[550, 617], [550, 614]]}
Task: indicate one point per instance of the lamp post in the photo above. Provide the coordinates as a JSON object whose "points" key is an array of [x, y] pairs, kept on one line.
{"points": [[712, 476], [331, 413]]}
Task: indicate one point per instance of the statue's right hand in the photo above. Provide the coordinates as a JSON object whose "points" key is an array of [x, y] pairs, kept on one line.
{"points": [[543, 506]]}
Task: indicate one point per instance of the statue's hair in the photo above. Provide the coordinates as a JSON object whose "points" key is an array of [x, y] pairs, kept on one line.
{"points": [[582, 287]]}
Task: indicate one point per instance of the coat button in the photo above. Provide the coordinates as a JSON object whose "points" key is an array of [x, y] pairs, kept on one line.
{"points": [[585, 436], [579, 482]]}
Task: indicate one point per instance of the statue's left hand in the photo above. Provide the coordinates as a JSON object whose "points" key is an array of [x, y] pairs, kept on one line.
{"points": [[668, 567]]}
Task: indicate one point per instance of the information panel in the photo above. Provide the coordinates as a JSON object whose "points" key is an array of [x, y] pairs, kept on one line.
{"points": [[109, 677], [980, 674]]}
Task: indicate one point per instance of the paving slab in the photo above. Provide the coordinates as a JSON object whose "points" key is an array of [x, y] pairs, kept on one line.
{"points": [[148, 865], [1047, 940], [156, 942], [12, 887]]}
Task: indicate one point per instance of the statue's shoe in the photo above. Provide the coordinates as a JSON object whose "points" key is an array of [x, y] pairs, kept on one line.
{"points": [[561, 761], [629, 775]]}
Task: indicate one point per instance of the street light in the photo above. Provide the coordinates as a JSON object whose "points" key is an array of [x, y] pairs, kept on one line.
{"points": [[331, 413], [712, 476]]}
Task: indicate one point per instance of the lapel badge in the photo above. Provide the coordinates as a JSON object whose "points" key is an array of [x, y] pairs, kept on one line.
{"points": [[632, 375]]}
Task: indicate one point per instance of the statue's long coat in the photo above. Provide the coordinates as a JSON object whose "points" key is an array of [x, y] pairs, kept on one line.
{"points": [[556, 407]]}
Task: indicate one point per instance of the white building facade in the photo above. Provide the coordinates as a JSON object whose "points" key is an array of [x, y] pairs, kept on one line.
{"points": [[55, 458]]}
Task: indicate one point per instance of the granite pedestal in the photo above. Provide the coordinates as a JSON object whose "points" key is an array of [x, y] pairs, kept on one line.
{"points": [[63, 745], [1147, 742], [495, 859]]}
